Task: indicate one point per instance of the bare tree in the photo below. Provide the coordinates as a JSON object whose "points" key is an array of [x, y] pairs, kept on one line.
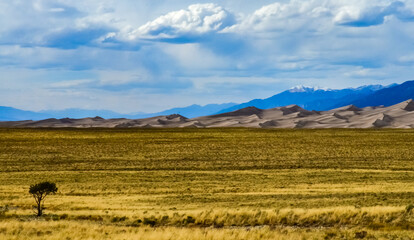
{"points": [[40, 191]]}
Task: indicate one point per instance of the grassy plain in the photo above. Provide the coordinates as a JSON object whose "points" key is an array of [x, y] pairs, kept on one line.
{"points": [[209, 183]]}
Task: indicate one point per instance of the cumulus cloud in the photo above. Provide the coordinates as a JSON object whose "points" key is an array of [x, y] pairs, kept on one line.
{"points": [[196, 21], [320, 16], [288, 16], [355, 16]]}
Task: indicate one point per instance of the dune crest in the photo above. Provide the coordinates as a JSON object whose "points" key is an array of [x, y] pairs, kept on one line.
{"points": [[293, 116], [410, 105]]}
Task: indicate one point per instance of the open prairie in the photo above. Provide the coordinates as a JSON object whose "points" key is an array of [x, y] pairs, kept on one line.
{"points": [[230, 183]]}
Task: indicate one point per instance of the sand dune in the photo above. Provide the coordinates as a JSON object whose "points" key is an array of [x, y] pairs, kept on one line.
{"points": [[397, 116]]}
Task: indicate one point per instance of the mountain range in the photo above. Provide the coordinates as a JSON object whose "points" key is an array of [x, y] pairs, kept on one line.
{"points": [[311, 98], [400, 115], [13, 114], [305, 97]]}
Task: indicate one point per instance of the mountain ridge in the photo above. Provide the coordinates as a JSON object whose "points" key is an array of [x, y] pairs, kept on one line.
{"points": [[310, 98], [400, 115], [14, 114]]}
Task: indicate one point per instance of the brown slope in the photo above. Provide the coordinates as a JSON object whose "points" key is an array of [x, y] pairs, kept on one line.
{"points": [[248, 111]]}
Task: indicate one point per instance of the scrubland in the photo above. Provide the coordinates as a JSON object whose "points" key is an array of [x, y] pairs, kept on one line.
{"points": [[209, 183]]}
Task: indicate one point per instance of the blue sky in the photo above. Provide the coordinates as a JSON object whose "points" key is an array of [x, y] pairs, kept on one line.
{"points": [[149, 55]]}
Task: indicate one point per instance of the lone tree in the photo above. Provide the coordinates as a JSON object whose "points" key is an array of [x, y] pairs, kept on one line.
{"points": [[40, 191]]}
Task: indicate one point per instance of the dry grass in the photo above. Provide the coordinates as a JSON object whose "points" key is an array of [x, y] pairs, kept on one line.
{"points": [[208, 183], [84, 230], [204, 149]]}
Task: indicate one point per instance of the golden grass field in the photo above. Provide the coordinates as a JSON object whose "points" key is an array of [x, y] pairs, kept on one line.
{"points": [[208, 184]]}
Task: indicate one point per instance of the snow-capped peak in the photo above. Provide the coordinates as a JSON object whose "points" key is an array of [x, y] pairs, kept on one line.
{"points": [[370, 87], [302, 88]]}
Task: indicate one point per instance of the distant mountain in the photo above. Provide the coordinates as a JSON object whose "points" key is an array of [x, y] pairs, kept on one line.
{"points": [[400, 115], [387, 96], [82, 113], [305, 97], [309, 98], [13, 114], [190, 111]]}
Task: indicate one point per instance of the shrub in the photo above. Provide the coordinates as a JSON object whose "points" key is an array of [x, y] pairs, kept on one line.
{"points": [[119, 219], [330, 235], [136, 223], [361, 234], [188, 220], [150, 221]]}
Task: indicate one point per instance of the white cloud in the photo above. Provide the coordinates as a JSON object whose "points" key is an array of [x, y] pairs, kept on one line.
{"points": [[371, 15], [197, 20], [320, 16], [289, 16]]}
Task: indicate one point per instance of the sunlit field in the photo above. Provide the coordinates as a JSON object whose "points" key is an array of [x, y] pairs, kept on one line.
{"points": [[208, 184]]}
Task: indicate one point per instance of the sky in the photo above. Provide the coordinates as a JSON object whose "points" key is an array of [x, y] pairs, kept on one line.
{"points": [[149, 55]]}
